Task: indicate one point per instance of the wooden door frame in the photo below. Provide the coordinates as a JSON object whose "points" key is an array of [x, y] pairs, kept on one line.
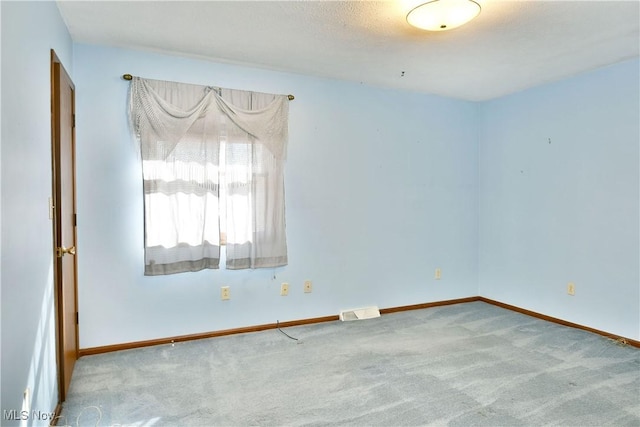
{"points": [[56, 66]]}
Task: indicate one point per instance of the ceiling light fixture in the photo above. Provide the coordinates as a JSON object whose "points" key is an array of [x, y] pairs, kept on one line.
{"points": [[442, 15]]}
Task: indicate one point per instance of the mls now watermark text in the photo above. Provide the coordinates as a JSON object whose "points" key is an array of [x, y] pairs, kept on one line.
{"points": [[15, 415]]}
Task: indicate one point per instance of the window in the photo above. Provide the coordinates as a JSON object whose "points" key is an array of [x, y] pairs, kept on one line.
{"points": [[212, 165]]}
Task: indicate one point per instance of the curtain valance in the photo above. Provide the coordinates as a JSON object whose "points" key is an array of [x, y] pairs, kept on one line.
{"points": [[164, 111]]}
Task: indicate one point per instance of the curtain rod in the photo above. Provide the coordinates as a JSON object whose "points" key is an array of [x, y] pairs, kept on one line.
{"points": [[130, 77]]}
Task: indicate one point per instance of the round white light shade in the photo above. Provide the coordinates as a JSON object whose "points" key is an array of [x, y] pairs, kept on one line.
{"points": [[442, 15]]}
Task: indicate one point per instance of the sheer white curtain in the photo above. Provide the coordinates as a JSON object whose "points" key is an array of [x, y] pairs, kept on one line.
{"points": [[212, 163]]}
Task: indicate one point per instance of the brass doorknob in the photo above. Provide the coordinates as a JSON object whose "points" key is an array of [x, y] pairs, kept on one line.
{"points": [[60, 251]]}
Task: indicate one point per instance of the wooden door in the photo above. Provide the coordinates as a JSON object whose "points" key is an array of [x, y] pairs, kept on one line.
{"points": [[64, 221]]}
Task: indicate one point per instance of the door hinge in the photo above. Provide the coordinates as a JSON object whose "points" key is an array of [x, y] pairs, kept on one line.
{"points": [[77, 318], [73, 121], [75, 220]]}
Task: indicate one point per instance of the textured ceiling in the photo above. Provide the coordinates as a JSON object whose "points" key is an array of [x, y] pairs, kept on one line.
{"points": [[511, 46]]}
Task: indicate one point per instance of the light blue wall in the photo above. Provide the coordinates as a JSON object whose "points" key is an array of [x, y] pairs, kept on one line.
{"points": [[564, 211], [381, 188], [29, 31]]}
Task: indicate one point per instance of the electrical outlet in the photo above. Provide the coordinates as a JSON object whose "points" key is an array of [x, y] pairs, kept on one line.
{"points": [[438, 274], [308, 286], [284, 289], [225, 293], [571, 288]]}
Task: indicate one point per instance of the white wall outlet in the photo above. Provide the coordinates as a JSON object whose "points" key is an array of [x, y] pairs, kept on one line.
{"points": [[308, 286], [284, 289], [438, 274], [225, 293], [571, 288]]}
